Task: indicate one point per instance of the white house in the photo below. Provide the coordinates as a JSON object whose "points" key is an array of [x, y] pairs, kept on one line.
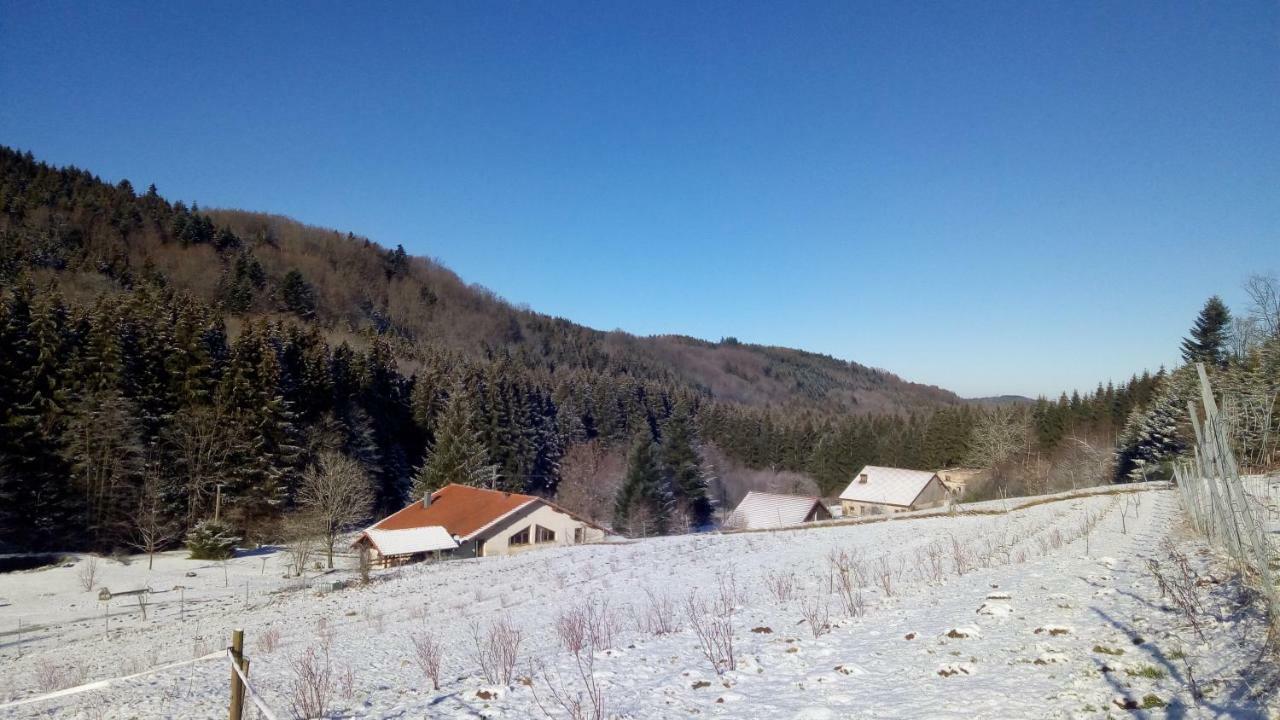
{"points": [[761, 510], [463, 521], [877, 490]]}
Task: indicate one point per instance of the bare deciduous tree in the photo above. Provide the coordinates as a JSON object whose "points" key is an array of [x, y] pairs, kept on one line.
{"points": [[202, 444], [1264, 295], [335, 492], [590, 477], [1001, 431], [151, 527], [300, 533], [1243, 337]]}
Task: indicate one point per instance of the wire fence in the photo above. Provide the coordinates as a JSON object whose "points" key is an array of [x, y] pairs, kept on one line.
{"points": [[1231, 510]]}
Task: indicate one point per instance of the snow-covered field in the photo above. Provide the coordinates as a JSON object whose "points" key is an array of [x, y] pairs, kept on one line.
{"points": [[1047, 611]]}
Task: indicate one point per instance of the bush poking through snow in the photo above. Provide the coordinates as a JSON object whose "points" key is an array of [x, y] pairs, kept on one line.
{"points": [[48, 676], [583, 631], [496, 651], [712, 623], [658, 614], [816, 611], [311, 684], [847, 576], [429, 654], [780, 585], [1179, 584], [88, 574], [269, 640], [885, 575]]}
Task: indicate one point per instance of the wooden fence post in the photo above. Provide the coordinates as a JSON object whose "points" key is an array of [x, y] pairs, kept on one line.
{"points": [[237, 688]]}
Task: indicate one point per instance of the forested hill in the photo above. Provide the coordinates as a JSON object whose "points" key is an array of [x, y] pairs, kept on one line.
{"points": [[90, 238]]}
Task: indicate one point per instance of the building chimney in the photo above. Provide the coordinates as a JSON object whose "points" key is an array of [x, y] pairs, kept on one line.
{"points": [[426, 500], [862, 479]]}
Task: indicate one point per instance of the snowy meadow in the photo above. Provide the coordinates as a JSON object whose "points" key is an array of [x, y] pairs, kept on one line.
{"points": [[1060, 607]]}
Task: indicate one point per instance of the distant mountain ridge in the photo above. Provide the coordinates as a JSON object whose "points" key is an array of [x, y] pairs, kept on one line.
{"points": [[1002, 400]]}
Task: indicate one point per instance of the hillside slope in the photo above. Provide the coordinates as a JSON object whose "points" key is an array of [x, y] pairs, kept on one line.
{"points": [[92, 238], [1047, 611]]}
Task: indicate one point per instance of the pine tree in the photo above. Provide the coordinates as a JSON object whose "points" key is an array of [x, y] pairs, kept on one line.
{"points": [[37, 506], [263, 460], [297, 295], [1208, 339], [645, 501], [1150, 440], [683, 468], [457, 455]]}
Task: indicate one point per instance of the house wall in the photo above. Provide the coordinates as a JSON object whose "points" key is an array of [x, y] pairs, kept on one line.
{"points": [[497, 539], [934, 494], [858, 509]]}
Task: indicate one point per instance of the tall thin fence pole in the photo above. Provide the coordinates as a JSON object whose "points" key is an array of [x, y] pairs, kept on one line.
{"points": [[1221, 502]]}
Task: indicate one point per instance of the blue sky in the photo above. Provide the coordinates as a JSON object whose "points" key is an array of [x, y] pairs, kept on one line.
{"points": [[991, 197]]}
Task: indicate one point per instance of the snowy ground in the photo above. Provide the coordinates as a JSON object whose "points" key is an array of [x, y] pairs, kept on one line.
{"points": [[1052, 611]]}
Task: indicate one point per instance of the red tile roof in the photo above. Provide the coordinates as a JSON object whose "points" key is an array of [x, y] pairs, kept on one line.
{"points": [[460, 509]]}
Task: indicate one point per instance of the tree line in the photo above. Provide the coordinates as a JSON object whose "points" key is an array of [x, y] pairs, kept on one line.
{"points": [[161, 365]]}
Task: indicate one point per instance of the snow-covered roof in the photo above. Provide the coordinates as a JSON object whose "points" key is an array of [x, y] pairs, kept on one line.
{"points": [[411, 540], [760, 510], [887, 486]]}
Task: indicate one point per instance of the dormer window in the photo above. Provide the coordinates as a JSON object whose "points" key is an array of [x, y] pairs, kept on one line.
{"points": [[520, 538], [862, 479]]}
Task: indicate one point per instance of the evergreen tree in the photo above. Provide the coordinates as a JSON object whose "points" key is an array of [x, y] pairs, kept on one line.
{"points": [[457, 455], [1208, 340], [1150, 440], [645, 502], [38, 507], [683, 467], [297, 295]]}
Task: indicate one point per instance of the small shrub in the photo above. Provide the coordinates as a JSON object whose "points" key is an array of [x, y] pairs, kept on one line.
{"points": [[1107, 651], [429, 655], [712, 623], [496, 651], [311, 684], [88, 575], [48, 676], [780, 585], [1151, 672], [817, 613], [269, 640], [211, 540], [1151, 701], [658, 614]]}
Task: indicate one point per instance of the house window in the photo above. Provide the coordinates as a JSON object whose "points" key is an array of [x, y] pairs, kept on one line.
{"points": [[520, 538], [543, 535], [579, 535]]}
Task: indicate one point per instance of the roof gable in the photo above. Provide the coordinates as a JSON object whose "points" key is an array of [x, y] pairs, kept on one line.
{"points": [[887, 486]]}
